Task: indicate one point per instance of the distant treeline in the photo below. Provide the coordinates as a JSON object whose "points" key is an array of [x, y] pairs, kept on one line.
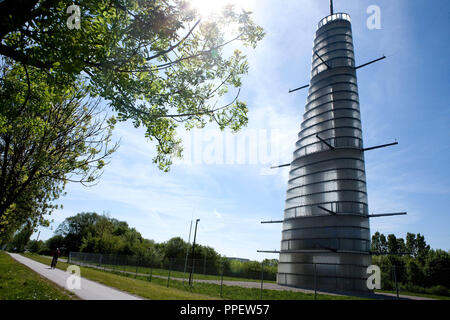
{"points": [[93, 233], [411, 263]]}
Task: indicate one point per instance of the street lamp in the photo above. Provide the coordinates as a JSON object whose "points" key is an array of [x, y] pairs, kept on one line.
{"points": [[193, 247]]}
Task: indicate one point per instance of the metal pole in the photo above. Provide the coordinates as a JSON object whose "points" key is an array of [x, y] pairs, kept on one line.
{"points": [[396, 284], [187, 252], [221, 281], [204, 265], [193, 247], [262, 280], [335, 277], [168, 277], [125, 267], [331, 7], [315, 282], [137, 266]]}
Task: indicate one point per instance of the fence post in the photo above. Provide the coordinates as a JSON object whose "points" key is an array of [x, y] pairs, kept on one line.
{"points": [[168, 277], [315, 282], [395, 280], [137, 266], [204, 266], [125, 267], [262, 280], [221, 280], [151, 273], [335, 277], [191, 276]]}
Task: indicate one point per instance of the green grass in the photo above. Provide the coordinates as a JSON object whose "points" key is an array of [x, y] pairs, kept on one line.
{"points": [[18, 282], [240, 293], [139, 287], [415, 294], [198, 289]]}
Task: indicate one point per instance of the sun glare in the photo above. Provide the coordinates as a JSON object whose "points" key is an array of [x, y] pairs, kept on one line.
{"points": [[208, 7]]}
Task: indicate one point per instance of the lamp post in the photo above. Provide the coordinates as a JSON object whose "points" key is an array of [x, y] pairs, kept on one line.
{"points": [[193, 247]]}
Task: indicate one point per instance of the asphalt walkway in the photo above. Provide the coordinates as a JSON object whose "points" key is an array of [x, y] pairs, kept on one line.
{"points": [[89, 290]]}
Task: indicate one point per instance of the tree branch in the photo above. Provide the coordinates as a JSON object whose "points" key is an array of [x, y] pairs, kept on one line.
{"points": [[176, 45]]}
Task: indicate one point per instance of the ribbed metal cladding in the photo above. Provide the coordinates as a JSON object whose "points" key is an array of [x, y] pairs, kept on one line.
{"points": [[319, 249]]}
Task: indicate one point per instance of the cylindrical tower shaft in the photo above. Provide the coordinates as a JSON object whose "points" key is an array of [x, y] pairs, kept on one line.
{"points": [[326, 236]]}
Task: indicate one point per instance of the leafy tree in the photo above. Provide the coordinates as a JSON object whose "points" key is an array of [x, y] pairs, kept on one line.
{"points": [[21, 238], [48, 136], [54, 242], [422, 248], [375, 245], [156, 62], [209, 254], [36, 246], [392, 244], [415, 274], [77, 227], [176, 248], [383, 244], [401, 246], [411, 247], [105, 243], [120, 227], [438, 268], [397, 268], [224, 266], [270, 262], [423, 270], [132, 240], [252, 269]]}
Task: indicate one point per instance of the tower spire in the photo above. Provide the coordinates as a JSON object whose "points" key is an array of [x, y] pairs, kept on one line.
{"points": [[331, 7]]}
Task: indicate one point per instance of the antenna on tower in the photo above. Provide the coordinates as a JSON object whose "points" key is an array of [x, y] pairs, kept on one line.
{"points": [[331, 7]]}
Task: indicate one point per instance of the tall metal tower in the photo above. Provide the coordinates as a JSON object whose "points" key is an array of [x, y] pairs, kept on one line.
{"points": [[326, 235]]}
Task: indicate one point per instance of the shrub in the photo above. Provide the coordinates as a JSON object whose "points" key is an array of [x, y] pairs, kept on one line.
{"points": [[439, 291]]}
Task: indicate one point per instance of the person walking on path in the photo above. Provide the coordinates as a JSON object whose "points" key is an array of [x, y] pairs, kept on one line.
{"points": [[56, 254]]}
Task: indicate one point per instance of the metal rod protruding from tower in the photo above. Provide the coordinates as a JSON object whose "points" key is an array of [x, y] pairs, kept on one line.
{"points": [[331, 7]]}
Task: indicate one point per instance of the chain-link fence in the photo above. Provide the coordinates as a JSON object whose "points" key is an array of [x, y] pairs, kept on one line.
{"points": [[404, 279], [185, 272], [254, 275]]}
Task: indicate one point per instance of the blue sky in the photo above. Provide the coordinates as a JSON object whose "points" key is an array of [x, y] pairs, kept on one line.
{"points": [[405, 97]]}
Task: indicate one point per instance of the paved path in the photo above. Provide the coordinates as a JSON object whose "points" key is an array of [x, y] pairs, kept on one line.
{"points": [[89, 290]]}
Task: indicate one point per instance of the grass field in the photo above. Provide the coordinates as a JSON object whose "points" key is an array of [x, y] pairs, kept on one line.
{"points": [[157, 287], [17, 282], [240, 293]]}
